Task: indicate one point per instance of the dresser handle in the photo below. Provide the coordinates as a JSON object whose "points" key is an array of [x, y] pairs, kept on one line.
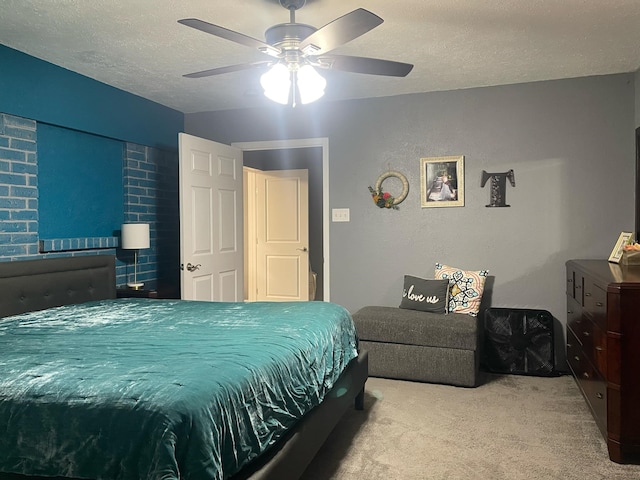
{"points": [[569, 312], [569, 345], [587, 294], [599, 348], [570, 280], [576, 358], [585, 375], [599, 395], [586, 334], [599, 304]]}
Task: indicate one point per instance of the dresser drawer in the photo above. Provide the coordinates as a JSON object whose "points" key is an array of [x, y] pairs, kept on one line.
{"points": [[574, 351], [594, 388], [592, 384], [575, 319], [593, 341], [595, 303], [575, 281], [574, 312], [571, 283]]}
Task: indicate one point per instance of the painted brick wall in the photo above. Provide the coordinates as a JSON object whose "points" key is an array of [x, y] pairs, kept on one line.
{"points": [[18, 188], [19, 232], [150, 181]]}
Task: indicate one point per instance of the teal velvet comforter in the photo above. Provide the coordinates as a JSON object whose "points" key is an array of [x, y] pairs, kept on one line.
{"points": [[160, 389]]}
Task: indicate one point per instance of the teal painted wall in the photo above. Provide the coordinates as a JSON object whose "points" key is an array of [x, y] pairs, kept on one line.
{"points": [[60, 131], [80, 183], [35, 89]]}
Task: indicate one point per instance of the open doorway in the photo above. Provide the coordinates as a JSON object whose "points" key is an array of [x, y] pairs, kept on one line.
{"points": [[312, 155], [310, 160]]}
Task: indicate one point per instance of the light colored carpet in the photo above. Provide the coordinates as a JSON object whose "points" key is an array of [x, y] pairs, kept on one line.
{"points": [[511, 427]]}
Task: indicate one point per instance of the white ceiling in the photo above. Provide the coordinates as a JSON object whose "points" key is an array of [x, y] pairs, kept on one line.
{"points": [[138, 46]]}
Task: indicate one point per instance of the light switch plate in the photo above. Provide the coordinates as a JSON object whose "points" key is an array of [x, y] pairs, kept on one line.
{"points": [[340, 214]]}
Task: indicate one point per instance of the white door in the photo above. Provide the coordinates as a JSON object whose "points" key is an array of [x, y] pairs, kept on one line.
{"points": [[211, 226], [282, 258]]}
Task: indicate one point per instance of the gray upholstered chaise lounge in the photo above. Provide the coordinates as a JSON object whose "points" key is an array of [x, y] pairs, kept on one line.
{"points": [[420, 346]]}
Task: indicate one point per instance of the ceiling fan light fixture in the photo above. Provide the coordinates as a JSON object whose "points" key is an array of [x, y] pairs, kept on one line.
{"points": [[310, 83], [276, 83], [297, 47]]}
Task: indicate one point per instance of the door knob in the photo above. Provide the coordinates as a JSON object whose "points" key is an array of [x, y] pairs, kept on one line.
{"points": [[304, 249], [193, 268]]}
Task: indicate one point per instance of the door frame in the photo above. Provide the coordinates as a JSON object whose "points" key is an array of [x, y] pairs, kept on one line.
{"points": [[323, 143]]}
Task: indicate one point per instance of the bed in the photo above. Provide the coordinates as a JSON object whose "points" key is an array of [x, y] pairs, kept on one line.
{"points": [[97, 387]]}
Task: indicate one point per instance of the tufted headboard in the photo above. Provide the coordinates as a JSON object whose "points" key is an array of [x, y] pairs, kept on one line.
{"points": [[31, 285]]}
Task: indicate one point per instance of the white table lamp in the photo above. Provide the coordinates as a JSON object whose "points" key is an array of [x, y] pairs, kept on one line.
{"points": [[134, 237]]}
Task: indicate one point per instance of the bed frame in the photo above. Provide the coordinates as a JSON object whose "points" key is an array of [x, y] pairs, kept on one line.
{"points": [[32, 285]]}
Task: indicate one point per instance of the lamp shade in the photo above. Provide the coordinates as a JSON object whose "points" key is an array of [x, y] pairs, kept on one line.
{"points": [[135, 236], [306, 82], [277, 83], [311, 84]]}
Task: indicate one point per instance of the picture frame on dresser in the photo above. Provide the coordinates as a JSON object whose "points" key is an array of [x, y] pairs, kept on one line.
{"points": [[625, 238]]}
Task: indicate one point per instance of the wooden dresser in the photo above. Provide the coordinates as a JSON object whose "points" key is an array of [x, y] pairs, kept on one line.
{"points": [[603, 349]]}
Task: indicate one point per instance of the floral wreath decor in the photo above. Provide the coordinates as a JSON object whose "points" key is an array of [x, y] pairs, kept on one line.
{"points": [[384, 199]]}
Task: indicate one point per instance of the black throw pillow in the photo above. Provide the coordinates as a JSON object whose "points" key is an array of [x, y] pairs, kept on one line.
{"points": [[425, 295]]}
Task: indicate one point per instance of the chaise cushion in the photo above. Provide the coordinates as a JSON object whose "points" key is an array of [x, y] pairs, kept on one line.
{"points": [[412, 327]]}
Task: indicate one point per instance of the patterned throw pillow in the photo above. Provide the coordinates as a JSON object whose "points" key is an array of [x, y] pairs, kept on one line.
{"points": [[466, 288], [425, 295]]}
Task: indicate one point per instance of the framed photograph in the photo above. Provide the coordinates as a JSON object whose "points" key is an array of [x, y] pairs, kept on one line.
{"points": [[616, 253], [442, 182]]}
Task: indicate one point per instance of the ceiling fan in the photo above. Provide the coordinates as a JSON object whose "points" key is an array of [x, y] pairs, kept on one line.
{"points": [[295, 48]]}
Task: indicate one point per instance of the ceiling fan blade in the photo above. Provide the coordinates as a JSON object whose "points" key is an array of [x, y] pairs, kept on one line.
{"points": [[371, 66], [340, 31], [229, 69], [227, 34]]}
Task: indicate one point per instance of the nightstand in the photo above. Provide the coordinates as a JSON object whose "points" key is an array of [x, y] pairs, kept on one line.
{"points": [[131, 293]]}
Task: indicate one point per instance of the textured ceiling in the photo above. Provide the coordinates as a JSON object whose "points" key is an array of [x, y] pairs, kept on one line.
{"points": [[138, 46]]}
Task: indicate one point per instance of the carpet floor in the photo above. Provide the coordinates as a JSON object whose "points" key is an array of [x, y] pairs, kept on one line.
{"points": [[509, 428]]}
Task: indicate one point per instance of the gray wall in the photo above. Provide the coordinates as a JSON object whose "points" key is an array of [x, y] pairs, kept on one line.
{"points": [[570, 142]]}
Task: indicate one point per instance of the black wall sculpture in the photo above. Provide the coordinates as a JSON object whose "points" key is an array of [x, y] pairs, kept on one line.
{"points": [[498, 190]]}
